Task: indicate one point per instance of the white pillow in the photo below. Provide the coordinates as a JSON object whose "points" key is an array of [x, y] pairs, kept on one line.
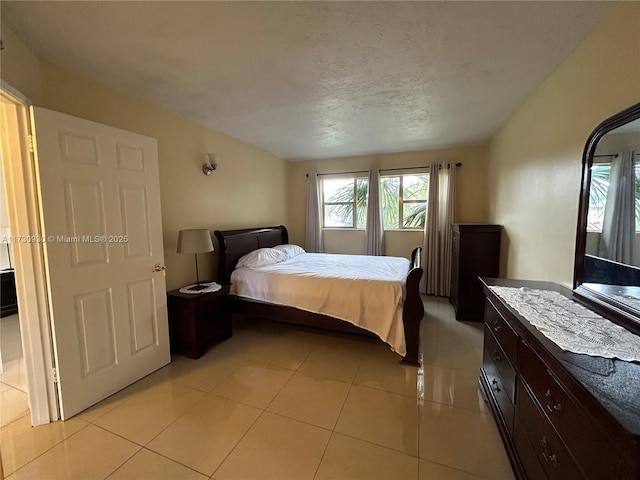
{"points": [[261, 257], [290, 250]]}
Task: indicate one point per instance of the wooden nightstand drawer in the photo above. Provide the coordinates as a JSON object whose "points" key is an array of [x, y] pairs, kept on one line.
{"points": [[197, 321]]}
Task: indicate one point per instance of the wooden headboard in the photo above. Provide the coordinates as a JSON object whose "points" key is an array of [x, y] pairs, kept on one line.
{"points": [[233, 244]]}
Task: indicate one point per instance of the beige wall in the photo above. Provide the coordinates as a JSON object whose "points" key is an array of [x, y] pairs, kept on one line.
{"points": [[471, 193], [613, 143], [247, 190], [535, 160], [20, 67]]}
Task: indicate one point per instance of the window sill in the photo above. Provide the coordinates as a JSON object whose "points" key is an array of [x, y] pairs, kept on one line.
{"points": [[350, 229], [343, 229], [404, 230]]}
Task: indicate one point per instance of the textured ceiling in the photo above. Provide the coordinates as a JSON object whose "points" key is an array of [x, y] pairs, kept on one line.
{"points": [[314, 79]]}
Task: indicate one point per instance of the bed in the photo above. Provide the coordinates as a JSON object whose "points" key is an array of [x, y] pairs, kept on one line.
{"points": [[402, 312]]}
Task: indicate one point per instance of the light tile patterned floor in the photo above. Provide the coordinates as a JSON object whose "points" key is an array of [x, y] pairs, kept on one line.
{"points": [[279, 402]]}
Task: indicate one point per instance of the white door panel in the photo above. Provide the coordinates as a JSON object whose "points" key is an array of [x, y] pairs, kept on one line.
{"points": [[100, 203]]}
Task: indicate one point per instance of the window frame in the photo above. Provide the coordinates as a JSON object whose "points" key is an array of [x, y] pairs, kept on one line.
{"points": [[598, 164], [353, 202], [608, 164], [402, 201]]}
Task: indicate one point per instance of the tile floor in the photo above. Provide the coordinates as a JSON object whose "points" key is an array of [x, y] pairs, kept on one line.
{"points": [[13, 375], [278, 402]]}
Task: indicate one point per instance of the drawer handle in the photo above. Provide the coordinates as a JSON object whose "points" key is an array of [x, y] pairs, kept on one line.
{"points": [[495, 386], [549, 457], [550, 405], [496, 356], [497, 326]]}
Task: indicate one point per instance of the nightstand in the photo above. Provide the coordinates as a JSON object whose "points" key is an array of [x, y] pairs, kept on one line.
{"points": [[197, 321]]}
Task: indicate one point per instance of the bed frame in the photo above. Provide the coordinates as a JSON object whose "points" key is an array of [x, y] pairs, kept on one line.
{"points": [[233, 244]]}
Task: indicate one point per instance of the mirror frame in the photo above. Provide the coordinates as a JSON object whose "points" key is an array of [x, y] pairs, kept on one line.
{"points": [[603, 304]]}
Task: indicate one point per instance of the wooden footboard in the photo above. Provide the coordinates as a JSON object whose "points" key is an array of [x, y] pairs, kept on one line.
{"points": [[413, 309]]}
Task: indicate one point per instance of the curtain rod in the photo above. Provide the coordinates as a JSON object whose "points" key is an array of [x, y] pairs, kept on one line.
{"points": [[382, 170]]}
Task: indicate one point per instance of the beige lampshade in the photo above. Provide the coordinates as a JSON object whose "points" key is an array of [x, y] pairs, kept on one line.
{"points": [[197, 240]]}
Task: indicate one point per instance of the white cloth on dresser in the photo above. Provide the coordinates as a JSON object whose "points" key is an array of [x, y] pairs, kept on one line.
{"points": [[367, 291], [570, 325]]}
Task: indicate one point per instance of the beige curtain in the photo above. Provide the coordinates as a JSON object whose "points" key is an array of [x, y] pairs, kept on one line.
{"points": [[619, 222], [313, 237], [437, 234], [374, 238]]}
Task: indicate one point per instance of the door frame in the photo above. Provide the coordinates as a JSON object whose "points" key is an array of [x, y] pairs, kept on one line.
{"points": [[23, 207]]}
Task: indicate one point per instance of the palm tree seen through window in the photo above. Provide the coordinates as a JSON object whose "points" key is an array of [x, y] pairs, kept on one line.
{"points": [[403, 200], [600, 175]]}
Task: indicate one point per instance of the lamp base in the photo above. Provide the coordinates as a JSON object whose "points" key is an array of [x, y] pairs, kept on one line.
{"points": [[198, 287]]}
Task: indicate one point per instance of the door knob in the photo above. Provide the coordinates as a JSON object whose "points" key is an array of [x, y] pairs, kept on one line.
{"points": [[160, 268]]}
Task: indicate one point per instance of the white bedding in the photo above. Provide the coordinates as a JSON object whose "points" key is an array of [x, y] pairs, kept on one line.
{"points": [[326, 284]]}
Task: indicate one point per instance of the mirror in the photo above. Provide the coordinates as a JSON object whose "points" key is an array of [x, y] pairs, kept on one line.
{"points": [[607, 262]]}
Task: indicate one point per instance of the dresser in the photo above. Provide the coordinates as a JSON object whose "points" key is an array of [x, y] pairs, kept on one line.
{"points": [[561, 415], [475, 253]]}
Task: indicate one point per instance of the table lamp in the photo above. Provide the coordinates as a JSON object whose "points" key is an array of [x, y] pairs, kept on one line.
{"points": [[195, 241]]}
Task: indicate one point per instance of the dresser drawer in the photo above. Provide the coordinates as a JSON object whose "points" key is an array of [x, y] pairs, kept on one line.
{"points": [[527, 453], [555, 460], [504, 370], [586, 443], [505, 335], [498, 390]]}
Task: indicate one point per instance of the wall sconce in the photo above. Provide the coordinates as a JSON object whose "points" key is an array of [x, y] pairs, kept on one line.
{"points": [[211, 165]]}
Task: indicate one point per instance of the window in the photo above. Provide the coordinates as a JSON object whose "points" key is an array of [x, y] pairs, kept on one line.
{"points": [[598, 196], [404, 200], [344, 202], [600, 174]]}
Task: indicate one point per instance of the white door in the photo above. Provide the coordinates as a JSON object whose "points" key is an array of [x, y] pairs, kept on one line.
{"points": [[100, 204]]}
